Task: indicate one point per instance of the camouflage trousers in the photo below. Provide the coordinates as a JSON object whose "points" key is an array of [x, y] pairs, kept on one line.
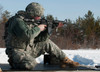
{"points": [[25, 58]]}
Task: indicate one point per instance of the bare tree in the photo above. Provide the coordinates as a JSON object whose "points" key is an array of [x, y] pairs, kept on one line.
{"points": [[4, 16]]}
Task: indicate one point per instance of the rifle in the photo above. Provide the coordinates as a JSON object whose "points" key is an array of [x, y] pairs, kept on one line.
{"points": [[51, 24]]}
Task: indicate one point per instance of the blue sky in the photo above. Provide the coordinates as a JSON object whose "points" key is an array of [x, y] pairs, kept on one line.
{"points": [[62, 9]]}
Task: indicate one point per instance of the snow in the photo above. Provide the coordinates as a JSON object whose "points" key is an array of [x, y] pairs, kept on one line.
{"points": [[84, 57]]}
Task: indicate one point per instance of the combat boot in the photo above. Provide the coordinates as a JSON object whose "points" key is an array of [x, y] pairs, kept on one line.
{"points": [[69, 63]]}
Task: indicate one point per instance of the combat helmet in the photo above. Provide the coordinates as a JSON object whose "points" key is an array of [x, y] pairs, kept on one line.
{"points": [[34, 9]]}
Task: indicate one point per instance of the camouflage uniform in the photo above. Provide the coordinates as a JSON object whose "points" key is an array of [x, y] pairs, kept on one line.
{"points": [[25, 42]]}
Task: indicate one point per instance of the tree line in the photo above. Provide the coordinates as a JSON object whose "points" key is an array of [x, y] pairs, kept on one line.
{"points": [[83, 33]]}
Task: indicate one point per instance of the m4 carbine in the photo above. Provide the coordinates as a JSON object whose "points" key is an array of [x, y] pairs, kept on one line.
{"points": [[51, 24]]}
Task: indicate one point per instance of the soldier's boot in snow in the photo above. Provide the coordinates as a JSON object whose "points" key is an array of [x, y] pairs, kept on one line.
{"points": [[69, 63]]}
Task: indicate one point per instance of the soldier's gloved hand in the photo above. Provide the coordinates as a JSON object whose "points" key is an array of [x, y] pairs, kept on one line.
{"points": [[42, 27]]}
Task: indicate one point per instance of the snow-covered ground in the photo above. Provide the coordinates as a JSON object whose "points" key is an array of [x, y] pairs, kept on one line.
{"points": [[85, 57]]}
